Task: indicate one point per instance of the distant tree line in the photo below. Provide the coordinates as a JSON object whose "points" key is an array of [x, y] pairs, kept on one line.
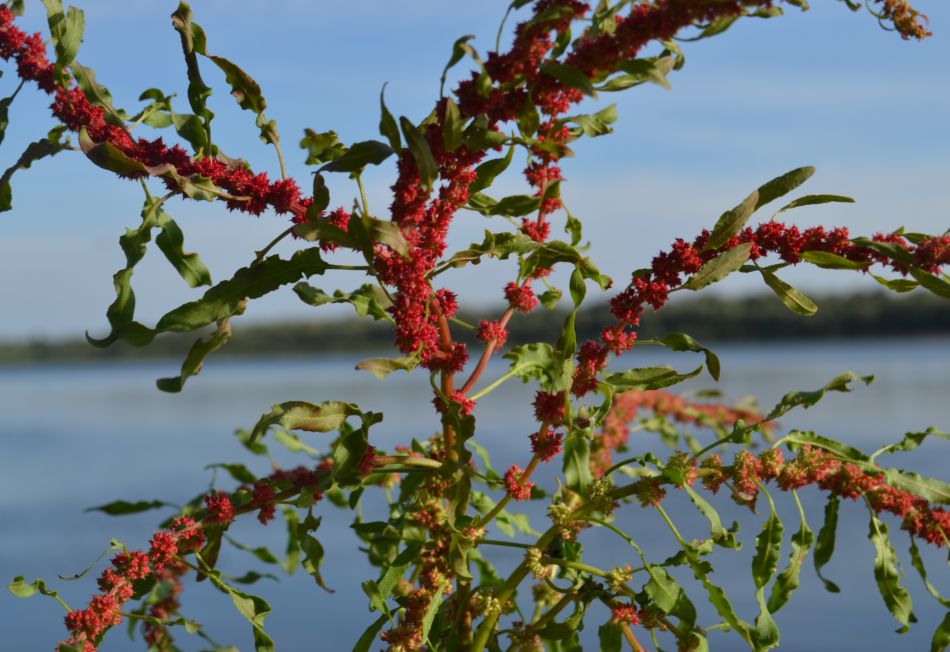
{"points": [[708, 319]]}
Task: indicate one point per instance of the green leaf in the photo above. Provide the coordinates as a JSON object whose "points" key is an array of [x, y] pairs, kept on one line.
{"points": [[321, 147], [669, 596], [312, 550], [720, 535], [432, 610], [719, 267], [362, 233], [684, 342], [798, 438], [20, 589], [828, 260], [896, 284], [732, 221], [358, 156], [459, 49], [123, 507], [245, 90], [227, 297], [782, 185], [262, 553], [66, 31], [49, 146], [452, 129], [811, 200], [200, 350], [550, 253], [292, 443], [788, 580], [253, 608], [768, 545], [387, 123], [886, 575], [192, 44], [806, 399], [910, 441], [237, 471], [489, 170], [569, 76], [648, 378], [531, 361], [918, 563], [300, 415], [825, 544], [597, 124], [935, 284], [941, 637], [638, 71], [368, 300], [495, 245], [366, 640], [609, 637], [382, 367], [188, 265], [792, 298], [419, 148], [94, 91], [577, 474], [528, 118], [931, 489], [511, 206]]}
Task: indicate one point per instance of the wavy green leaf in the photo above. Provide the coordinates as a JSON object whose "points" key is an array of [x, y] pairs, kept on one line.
{"points": [[806, 399], [788, 580], [648, 378], [825, 545], [910, 441], [300, 415], [684, 342], [382, 367], [887, 576]]}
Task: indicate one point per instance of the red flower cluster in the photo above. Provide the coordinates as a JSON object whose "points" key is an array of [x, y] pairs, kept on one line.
{"points": [[492, 331], [626, 405], [549, 407], [546, 443], [624, 614], [520, 297], [789, 242], [516, 485], [815, 466]]}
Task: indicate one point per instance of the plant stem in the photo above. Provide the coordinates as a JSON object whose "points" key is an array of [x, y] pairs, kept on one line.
{"points": [[486, 354]]}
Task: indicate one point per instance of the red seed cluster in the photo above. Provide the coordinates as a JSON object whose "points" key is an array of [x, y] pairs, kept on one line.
{"points": [[516, 485], [549, 407], [625, 614], [492, 331], [816, 466], [546, 443], [626, 405], [787, 241]]}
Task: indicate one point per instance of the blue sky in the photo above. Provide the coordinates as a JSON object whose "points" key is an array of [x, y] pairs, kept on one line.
{"points": [[823, 87]]}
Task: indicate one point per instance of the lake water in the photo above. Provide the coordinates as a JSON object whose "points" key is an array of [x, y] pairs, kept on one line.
{"points": [[83, 435]]}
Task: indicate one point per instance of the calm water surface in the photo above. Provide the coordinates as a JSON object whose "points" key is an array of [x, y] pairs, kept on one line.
{"points": [[84, 435]]}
